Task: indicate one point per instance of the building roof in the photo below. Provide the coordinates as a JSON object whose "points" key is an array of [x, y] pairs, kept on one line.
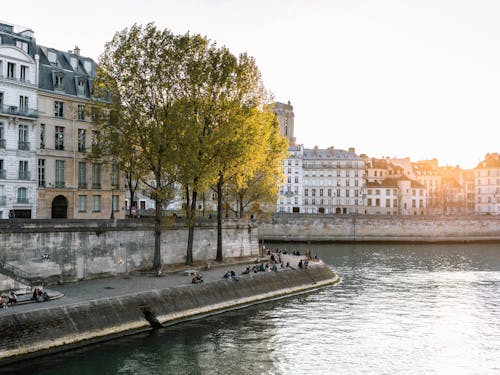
{"points": [[330, 154], [73, 69], [490, 161], [10, 36], [393, 182]]}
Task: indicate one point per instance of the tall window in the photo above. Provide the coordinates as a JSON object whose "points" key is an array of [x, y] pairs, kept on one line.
{"points": [[80, 86], [96, 203], [82, 203], [41, 172], [24, 73], [82, 175], [42, 135], [22, 195], [59, 141], [58, 81], [2, 136], [1, 93], [22, 45], [3, 174], [24, 173], [115, 176], [60, 167], [58, 109], [11, 70], [23, 137], [96, 176], [115, 203], [23, 104], [81, 140], [81, 112]]}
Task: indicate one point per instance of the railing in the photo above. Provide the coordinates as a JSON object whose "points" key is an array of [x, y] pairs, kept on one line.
{"points": [[16, 111], [17, 274], [96, 185], [60, 184], [21, 80], [2, 143], [22, 200], [24, 175], [23, 145], [82, 185]]}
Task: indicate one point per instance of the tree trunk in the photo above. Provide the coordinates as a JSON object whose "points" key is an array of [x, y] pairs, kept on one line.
{"points": [[190, 222], [219, 219], [157, 253]]}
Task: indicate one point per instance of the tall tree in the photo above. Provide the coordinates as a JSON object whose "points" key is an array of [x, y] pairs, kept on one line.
{"points": [[139, 70]]}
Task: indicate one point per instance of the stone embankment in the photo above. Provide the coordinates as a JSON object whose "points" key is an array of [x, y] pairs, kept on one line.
{"points": [[54, 326], [372, 228]]}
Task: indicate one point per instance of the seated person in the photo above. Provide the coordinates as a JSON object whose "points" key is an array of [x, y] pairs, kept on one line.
{"points": [[12, 298], [246, 271], [2, 302], [226, 275], [233, 276], [197, 278]]}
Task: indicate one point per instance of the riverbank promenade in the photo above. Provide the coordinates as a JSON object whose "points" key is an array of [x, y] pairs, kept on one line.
{"points": [[136, 282]]}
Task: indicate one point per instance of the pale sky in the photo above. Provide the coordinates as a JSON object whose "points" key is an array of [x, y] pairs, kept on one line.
{"points": [[397, 78]]}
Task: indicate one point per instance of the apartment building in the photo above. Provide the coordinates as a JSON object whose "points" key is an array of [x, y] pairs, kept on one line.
{"points": [[18, 119], [487, 182], [69, 184]]}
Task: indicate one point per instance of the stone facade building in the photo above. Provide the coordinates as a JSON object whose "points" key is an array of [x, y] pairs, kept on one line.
{"points": [[325, 181], [18, 119], [286, 119], [487, 182], [69, 185]]}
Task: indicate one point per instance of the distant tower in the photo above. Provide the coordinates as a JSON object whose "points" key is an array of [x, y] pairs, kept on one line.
{"points": [[285, 117]]}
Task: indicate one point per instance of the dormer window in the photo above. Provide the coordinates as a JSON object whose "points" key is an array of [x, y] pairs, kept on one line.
{"points": [[58, 81], [52, 57], [74, 63], [88, 67], [80, 86], [22, 45]]}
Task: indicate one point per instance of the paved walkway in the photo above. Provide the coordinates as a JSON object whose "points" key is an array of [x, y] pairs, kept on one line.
{"points": [[89, 290]]}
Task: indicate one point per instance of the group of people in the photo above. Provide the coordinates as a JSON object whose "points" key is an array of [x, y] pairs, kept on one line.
{"points": [[39, 295], [10, 300], [196, 278]]}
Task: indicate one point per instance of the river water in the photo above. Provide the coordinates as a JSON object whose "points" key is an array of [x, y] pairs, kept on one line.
{"points": [[400, 309]]}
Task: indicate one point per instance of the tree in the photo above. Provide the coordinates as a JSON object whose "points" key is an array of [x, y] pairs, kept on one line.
{"points": [[138, 69]]}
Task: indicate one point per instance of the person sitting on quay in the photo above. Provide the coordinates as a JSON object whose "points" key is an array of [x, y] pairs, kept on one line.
{"points": [[274, 268], [246, 271], [301, 264], [226, 275], [233, 276], [12, 298], [261, 267], [3, 305], [197, 279]]}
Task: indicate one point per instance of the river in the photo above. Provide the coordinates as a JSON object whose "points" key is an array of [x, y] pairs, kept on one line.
{"points": [[400, 309]]}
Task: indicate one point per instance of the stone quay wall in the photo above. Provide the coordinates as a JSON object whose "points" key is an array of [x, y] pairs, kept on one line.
{"points": [[80, 324], [86, 249], [361, 228]]}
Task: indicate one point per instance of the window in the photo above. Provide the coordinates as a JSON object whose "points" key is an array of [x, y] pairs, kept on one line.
{"points": [[59, 140], [387, 192], [23, 104], [369, 202], [60, 181], [338, 192], [11, 70], [22, 195], [82, 175], [115, 176], [81, 112], [24, 173], [115, 202], [2, 171], [329, 192], [22, 45], [377, 202], [41, 172], [347, 193], [81, 140], [58, 81], [1, 93], [82, 203], [58, 109], [96, 176], [42, 135], [320, 192], [2, 136], [313, 192], [96, 203], [24, 73], [394, 203], [296, 180], [80, 86], [23, 138], [52, 57], [387, 202], [74, 63], [306, 192]]}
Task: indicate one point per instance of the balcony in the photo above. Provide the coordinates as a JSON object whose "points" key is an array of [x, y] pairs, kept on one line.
{"points": [[16, 79], [22, 200], [2, 143], [60, 185], [23, 145], [3, 174], [3, 200], [82, 185], [16, 111], [24, 175]]}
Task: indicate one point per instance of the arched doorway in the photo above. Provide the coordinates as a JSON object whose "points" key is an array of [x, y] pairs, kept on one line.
{"points": [[60, 207]]}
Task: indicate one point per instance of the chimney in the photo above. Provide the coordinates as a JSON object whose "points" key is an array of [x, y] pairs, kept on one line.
{"points": [[352, 149], [76, 51]]}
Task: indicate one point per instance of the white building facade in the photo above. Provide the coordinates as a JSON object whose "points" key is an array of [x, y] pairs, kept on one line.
{"points": [[487, 182], [325, 181], [18, 118]]}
